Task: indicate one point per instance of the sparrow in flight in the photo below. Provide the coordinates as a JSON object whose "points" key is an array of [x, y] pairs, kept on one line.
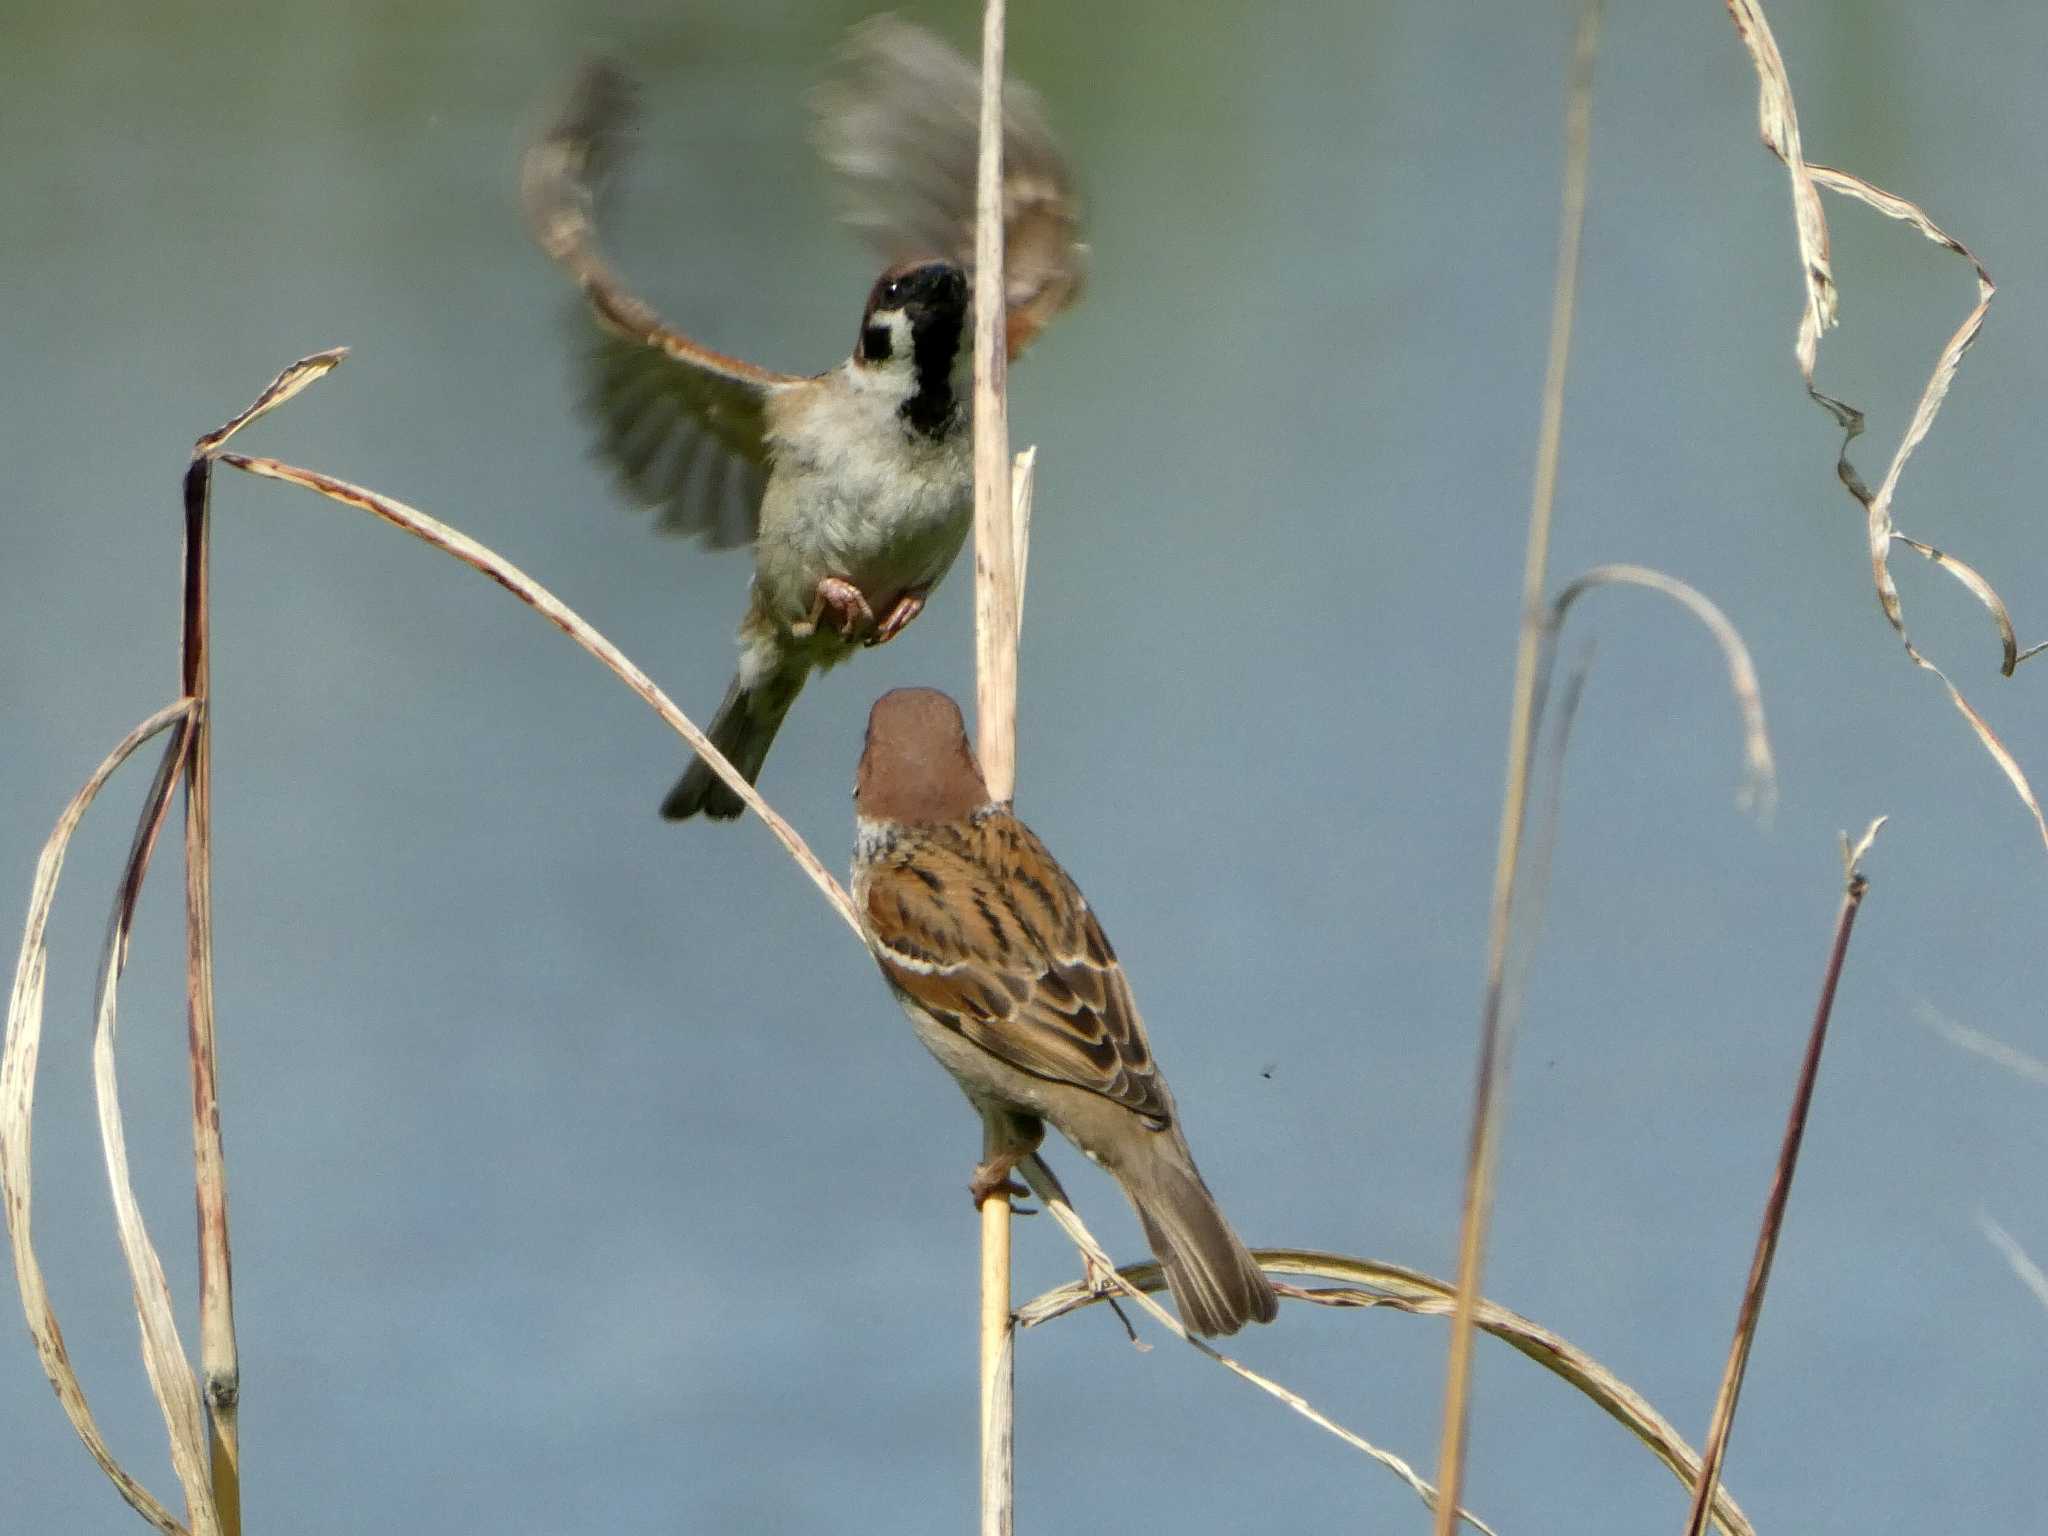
{"points": [[854, 486], [1009, 981]]}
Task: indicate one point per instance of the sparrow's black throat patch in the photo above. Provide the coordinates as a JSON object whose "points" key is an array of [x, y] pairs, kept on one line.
{"points": [[932, 297], [935, 342]]}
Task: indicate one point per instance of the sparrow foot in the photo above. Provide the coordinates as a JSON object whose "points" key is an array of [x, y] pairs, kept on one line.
{"points": [[898, 618], [1099, 1278], [846, 604], [992, 1178]]}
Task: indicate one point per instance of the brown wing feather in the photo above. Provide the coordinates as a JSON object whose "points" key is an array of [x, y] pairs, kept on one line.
{"points": [[902, 127], [987, 933], [685, 427]]}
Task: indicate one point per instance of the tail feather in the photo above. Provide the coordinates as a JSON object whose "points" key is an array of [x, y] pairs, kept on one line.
{"points": [[1215, 1281], [743, 729]]}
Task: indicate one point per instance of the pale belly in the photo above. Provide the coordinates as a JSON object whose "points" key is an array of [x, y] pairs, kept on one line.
{"points": [[888, 514]]}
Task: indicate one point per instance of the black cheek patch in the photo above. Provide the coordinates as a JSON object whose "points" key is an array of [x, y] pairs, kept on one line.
{"points": [[874, 344]]}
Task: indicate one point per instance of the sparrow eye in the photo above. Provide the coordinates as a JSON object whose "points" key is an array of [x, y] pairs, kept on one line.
{"points": [[894, 292]]}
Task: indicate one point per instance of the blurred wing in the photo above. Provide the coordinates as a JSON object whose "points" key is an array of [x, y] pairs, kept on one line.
{"points": [[902, 128], [685, 427], [988, 935]]}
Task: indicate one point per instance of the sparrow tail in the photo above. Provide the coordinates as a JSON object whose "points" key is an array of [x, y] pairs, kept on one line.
{"points": [[1214, 1280], [743, 729]]}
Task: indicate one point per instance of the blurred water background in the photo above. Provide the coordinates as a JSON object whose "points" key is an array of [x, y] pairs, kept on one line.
{"points": [[582, 1174]]}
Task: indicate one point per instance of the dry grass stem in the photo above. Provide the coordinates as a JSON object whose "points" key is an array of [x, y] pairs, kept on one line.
{"points": [[1140, 1279], [1369, 1283], [220, 1360], [998, 613], [210, 1472], [534, 595], [996, 596], [1496, 1008], [1759, 791], [432, 531], [1778, 120], [163, 1357], [17, 1113], [556, 612], [1854, 887], [286, 386], [998, 1407], [1533, 878]]}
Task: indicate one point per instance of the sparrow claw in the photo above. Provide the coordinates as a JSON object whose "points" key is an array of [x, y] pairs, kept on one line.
{"points": [[845, 602], [898, 618], [1099, 1278], [992, 1178]]}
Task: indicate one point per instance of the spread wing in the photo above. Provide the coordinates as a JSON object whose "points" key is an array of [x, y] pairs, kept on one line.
{"points": [[985, 931], [684, 427], [902, 127]]}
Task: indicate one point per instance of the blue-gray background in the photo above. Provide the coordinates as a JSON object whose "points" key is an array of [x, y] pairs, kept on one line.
{"points": [[583, 1175]]}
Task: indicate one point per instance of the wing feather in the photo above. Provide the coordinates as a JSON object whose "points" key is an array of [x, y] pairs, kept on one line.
{"points": [[657, 396], [902, 127], [988, 934]]}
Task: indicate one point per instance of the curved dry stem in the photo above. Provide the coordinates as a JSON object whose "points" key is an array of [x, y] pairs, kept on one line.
{"points": [[17, 1110], [1760, 775], [1141, 1279], [1779, 120], [1974, 583], [170, 1373], [1370, 1283], [293, 378], [558, 613]]}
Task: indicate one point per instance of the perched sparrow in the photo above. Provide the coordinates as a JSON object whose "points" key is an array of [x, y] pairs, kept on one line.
{"points": [[855, 486], [1008, 980]]}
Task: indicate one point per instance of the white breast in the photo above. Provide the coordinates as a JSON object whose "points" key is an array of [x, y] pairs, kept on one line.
{"points": [[856, 493]]}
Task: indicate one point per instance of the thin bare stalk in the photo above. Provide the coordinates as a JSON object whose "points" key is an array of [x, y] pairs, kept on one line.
{"points": [[1495, 1017], [995, 550], [998, 559], [220, 1366], [1854, 885], [220, 1363]]}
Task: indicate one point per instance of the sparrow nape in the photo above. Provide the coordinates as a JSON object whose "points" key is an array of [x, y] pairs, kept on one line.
{"points": [[1008, 979], [854, 486]]}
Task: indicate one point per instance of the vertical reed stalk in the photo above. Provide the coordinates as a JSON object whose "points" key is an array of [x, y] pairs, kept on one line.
{"points": [[996, 618], [220, 1367], [1751, 1310], [1495, 1019]]}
